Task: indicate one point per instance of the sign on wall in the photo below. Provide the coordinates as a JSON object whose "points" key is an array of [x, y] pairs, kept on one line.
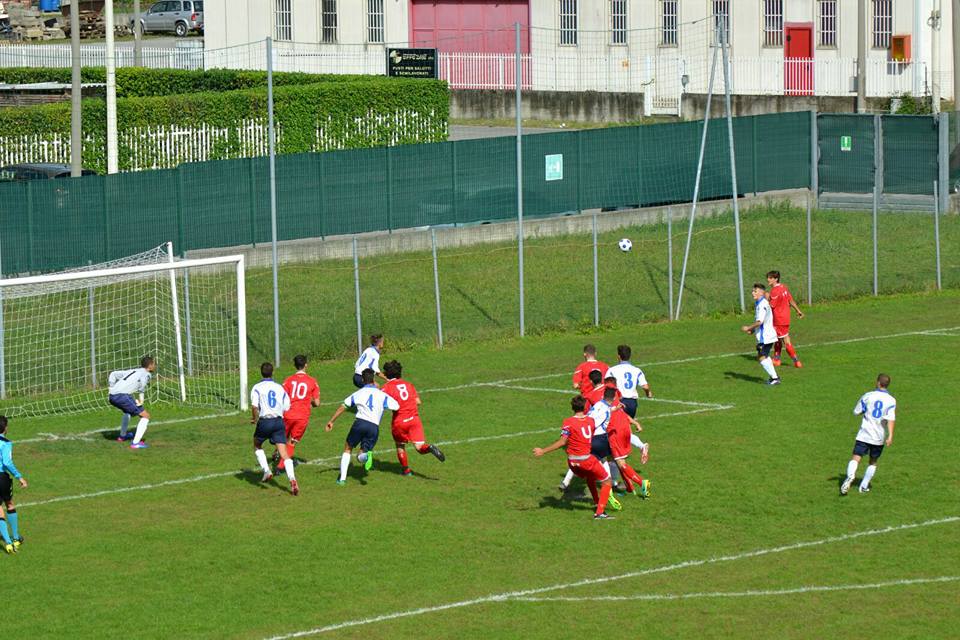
{"points": [[554, 167], [412, 63], [846, 143]]}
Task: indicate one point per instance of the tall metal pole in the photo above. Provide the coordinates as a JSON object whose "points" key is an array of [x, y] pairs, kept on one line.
{"points": [[596, 275], [955, 38], [93, 335], [112, 154], [670, 261], [696, 188], [727, 78], [936, 228], [936, 71], [809, 249], [272, 141], [137, 35], [861, 56], [519, 110], [877, 178], [76, 93], [356, 295], [436, 286]]}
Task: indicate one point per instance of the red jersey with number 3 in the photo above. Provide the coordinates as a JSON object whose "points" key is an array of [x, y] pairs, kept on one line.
{"points": [[581, 375], [579, 433], [780, 300], [406, 396], [302, 390]]}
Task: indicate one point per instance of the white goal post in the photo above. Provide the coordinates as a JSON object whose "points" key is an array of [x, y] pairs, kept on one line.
{"points": [[61, 334]]}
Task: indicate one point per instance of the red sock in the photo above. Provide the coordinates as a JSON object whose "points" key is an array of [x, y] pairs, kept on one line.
{"points": [[402, 457], [424, 448], [626, 481], [628, 472], [290, 447], [593, 492], [777, 348], [792, 351], [604, 496]]}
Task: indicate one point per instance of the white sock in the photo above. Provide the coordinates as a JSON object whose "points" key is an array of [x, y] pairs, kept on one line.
{"points": [[606, 466], [362, 457], [868, 476], [614, 473], [344, 465], [262, 459], [767, 365], [124, 424], [852, 469], [636, 441], [288, 467], [567, 479], [141, 429]]}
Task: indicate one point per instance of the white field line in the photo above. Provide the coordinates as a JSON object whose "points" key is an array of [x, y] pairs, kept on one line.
{"points": [[515, 595], [743, 594], [86, 435], [945, 333], [320, 461]]}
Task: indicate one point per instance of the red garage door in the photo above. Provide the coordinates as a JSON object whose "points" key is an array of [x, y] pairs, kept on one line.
{"points": [[475, 26]]}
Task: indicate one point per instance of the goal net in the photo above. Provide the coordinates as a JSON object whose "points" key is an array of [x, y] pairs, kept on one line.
{"points": [[62, 334]]}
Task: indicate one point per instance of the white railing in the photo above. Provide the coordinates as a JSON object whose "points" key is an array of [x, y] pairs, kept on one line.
{"points": [[94, 55], [485, 70]]}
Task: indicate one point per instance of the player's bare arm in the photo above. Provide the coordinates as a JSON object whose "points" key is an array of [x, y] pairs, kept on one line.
{"points": [[562, 442], [646, 391], [315, 402], [23, 482], [635, 424], [254, 414], [333, 418], [793, 304], [748, 328], [890, 424]]}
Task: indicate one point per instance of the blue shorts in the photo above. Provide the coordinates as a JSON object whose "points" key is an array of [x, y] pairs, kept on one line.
{"points": [[358, 381], [126, 403], [630, 406], [271, 429], [861, 449], [763, 350], [600, 446], [363, 433]]}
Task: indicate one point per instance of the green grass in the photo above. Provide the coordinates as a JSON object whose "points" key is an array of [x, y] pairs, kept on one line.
{"points": [[225, 557]]}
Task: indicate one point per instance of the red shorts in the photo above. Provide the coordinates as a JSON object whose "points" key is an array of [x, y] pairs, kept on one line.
{"points": [[408, 430], [295, 427], [619, 443], [590, 469], [783, 330]]}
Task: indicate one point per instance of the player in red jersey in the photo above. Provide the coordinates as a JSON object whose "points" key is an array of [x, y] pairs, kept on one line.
{"points": [[581, 375], [406, 425], [618, 434], [781, 301], [576, 435], [304, 394]]}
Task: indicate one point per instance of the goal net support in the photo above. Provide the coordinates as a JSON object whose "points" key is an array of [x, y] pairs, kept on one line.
{"points": [[62, 334]]}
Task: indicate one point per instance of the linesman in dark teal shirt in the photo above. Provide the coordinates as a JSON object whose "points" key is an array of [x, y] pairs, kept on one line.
{"points": [[12, 538]]}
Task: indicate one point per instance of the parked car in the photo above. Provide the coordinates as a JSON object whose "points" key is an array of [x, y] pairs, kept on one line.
{"points": [[179, 16], [38, 171]]}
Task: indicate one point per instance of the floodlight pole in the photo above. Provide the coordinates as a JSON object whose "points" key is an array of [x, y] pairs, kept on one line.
{"points": [[519, 77], [272, 142], [137, 35], [733, 160], [76, 93], [111, 62]]}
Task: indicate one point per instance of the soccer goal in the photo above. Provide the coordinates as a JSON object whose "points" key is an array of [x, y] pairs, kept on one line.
{"points": [[62, 334]]}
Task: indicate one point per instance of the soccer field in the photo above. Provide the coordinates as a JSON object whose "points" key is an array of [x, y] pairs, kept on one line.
{"points": [[745, 534]]}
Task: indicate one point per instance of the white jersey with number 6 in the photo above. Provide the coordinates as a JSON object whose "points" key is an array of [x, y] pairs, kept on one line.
{"points": [[270, 398], [876, 407]]}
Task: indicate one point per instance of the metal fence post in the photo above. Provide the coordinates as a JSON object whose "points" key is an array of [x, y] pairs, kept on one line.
{"points": [[809, 249], [596, 275], [936, 227], [670, 261], [943, 155], [356, 295], [436, 286], [272, 142], [727, 80], [518, 108], [877, 178]]}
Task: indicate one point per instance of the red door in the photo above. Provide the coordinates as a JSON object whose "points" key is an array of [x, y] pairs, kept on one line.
{"points": [[798, 59]]}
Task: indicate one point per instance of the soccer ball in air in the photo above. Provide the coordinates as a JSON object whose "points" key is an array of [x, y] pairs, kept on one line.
{"points": [[625, 244]]}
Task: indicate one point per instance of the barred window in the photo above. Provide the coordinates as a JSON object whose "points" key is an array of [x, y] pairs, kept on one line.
{"points": [[670, 17], [882, 23], [618, 21], [283, 20], [720, 10], [328, 19], [568, 22], [828, 22], [773, 23], [375, 21]]}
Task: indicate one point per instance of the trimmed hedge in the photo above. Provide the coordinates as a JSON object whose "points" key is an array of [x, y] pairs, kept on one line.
{"points": [[313, 113]]}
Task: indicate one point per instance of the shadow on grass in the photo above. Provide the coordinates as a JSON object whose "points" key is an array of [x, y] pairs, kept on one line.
{"points": [[743, 376], [571, 500], [253, 477]]}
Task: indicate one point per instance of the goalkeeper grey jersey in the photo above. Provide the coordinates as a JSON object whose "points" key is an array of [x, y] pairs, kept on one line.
{"points": [[128, 381]]}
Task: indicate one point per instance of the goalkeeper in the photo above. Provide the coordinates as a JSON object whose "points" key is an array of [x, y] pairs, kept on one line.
{"points": [[125, 383]]}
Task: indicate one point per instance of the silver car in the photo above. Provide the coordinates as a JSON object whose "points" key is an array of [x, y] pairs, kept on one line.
{"points": [[179, 16]]}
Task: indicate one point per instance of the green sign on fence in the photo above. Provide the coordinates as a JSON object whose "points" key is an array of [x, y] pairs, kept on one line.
{"points": [[846, 143], [554, 167]]}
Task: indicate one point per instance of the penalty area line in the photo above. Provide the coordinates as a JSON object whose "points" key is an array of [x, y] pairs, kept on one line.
{"points": [[517, 595], [86, 435]]}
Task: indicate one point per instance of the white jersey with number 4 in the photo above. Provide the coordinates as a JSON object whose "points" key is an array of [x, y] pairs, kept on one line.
{"points": [[764, 315], [270, 398], [369, 359], [876, 407], [629, 377], [370, 403]]}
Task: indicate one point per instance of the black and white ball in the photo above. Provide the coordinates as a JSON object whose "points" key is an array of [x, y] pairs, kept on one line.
{"points": [[625, 244]]}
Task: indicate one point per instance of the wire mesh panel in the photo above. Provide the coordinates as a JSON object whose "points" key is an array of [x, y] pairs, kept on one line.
{"points": [[910, 162], [846, 153], [842, 254]]}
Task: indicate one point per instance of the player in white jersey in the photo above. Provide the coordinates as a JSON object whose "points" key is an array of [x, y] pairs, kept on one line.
{"points": [[122, 385], [878, 409], [369, 403], [762, 328], [629, 379], [369, 359], [268, 402]]}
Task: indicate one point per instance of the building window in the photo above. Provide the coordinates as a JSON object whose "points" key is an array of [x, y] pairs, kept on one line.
{"points": [[670, 17], [720, 10], [828, 22], [283, 20], [568, 22], [773, 23], [618, 21], [882, 23], [375, 21], [328, 21]]}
